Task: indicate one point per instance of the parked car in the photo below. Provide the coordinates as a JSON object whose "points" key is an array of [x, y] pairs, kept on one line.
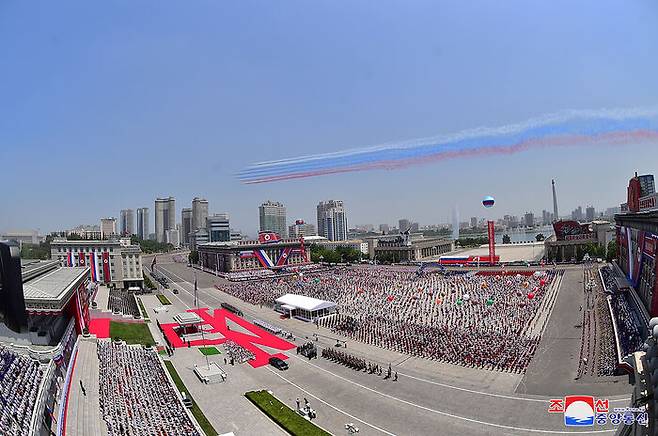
{"points": [[278, 363]]}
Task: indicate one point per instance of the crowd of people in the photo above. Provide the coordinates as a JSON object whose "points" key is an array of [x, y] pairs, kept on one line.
{"points": [[607, 360], [20, 378], [487, 321], [609, 279], [237, 353], [136, 397], [630, 334], [123, 302]]}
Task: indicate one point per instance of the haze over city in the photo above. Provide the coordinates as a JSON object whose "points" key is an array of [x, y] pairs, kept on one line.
{"points": [[175, 100]]}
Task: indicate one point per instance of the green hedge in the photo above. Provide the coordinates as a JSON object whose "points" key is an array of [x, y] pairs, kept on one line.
{"points": [[145, 314], [206, 426], [163, 299], [288, 419]]}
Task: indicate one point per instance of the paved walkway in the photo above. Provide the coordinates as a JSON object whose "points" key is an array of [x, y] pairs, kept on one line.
{"points": [[83, 414]]}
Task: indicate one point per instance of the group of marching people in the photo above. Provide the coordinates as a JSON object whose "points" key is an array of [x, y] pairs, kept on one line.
{"points": [[485, 321]]}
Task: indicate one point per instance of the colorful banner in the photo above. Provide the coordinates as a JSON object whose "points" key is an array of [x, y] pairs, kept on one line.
{"points": [[92, 266], [81, 259], [106, 267]]}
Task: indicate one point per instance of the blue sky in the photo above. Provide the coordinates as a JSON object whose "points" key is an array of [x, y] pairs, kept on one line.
{"points": [[107, 105]]}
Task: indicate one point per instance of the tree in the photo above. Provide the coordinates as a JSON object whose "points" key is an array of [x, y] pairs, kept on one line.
{"points": [[540, 237], [193, 257], [612, 251], [507, 239]]}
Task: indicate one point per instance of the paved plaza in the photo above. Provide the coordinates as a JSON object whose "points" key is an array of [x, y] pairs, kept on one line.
{"points": [[427, 397]]}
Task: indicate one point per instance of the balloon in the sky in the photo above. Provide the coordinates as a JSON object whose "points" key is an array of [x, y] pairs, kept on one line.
{"points": [[488, 201]]}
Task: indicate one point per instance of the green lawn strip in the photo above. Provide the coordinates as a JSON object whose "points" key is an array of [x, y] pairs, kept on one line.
{"points": [[163, 299], [131, 332], [196, 411], [283, 415], [145, 314], [209, 351]]}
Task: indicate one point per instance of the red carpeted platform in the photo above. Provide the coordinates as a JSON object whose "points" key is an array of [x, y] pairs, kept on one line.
{"points": [[251, 341], [100, 327]]}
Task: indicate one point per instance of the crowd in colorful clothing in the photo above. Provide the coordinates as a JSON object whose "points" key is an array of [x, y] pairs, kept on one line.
{"points": [[484, 321]]}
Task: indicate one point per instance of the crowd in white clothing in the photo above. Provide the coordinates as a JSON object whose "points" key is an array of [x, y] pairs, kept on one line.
{"points": [[20, 378], [486, 321], [136, 397], [237, 353]]}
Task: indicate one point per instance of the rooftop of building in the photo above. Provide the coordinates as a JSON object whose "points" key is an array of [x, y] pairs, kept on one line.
{"points": [[54, 284], [31, 268]]}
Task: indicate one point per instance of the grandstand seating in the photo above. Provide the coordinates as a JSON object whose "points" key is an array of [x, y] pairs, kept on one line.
{"points": [[20, 378], [136, 397]]}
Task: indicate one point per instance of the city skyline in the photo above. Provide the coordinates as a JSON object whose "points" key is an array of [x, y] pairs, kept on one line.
{"points": [[286, 88]]}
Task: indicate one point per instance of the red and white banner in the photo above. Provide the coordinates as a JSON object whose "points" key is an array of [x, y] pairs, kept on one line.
{"points": [[81, 259], [492, 243], [106, 266], [268, 237]]}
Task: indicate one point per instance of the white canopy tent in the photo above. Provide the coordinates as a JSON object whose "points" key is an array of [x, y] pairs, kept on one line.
{"points": [[305, 308]]}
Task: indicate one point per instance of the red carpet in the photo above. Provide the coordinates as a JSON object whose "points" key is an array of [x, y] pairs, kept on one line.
{"points": [[100, 327], [218, 321]]}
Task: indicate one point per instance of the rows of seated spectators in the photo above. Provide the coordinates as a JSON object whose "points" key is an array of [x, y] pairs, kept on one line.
{"points": [[630, 335], [607, 360], [609, 279], [492, 322], [136, 397], [237, 352], [120, 301], [20, 377]]}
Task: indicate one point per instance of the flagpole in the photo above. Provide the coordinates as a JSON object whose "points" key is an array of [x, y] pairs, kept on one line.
{"points": [[196, 303]]}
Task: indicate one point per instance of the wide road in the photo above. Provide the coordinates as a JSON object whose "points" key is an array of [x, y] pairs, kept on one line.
{"points": [[426, 400]]}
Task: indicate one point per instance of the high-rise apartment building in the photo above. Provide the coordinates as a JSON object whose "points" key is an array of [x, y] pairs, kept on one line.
{"points": [[474, 222], [127, 222], [590, 213], [108, 227], [199, 212], [529, 219], [301, 228], [647, 185], [404, 224], [546, 218], [272, 217], [143, 223], [165, 217], [332, 220], [384, 228], [218, 227], [577, 214], [186, 225]]}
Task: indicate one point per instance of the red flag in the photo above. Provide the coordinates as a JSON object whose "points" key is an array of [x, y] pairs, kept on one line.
{"points": [[106, 266]]}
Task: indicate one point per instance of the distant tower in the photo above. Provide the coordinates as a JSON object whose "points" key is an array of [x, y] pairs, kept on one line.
{"points": [[455, 223], [555, 215]]}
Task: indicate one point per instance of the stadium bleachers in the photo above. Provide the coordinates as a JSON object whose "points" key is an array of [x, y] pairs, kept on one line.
{"points": [[148, 404], [20, 378]]}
